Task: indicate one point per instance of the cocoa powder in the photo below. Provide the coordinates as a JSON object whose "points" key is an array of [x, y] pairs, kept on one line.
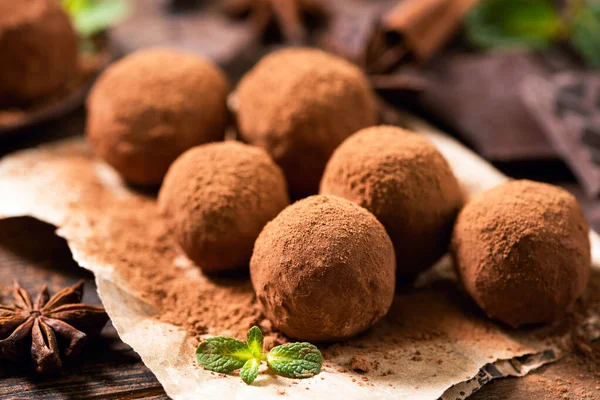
{"points": [[404, 180], [217, 198], [324, 269], [151, 106], [522, 251], [112, 226], [299, 105], [39, 50], [88, 66]]}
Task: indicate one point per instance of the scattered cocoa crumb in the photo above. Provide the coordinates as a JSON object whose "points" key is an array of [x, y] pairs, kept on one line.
{"points": [[148, 263], [360, 364]]}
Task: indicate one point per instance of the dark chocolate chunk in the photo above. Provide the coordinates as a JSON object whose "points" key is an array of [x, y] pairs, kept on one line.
{"points": [[477, 96], [591, 136], [576, 90], [575, 131], [571, 98], [234, 46], [351, 26]]}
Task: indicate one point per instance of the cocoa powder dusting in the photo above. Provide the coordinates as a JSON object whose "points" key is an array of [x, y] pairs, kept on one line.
{"points": [[87, 69], [404, 180], [299, 105], [39, 50], [522, 252], [317, 254], [149, 107], [117, 227], [217, 198]]}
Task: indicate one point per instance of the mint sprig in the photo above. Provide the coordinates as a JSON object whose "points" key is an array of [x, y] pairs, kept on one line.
{"points": [[93, 16], [496, 24], [536, 25], [296, 360], [224, 354], [585, 31]]}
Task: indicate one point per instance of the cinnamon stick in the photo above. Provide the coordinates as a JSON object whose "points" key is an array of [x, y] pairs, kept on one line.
{"points": [[413, 29]]}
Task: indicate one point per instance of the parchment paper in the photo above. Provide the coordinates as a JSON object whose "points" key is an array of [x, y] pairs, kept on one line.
{"points": [[437, 344]]}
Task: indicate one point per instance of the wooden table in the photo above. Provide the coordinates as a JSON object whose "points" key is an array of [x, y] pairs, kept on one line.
{"points": [[30, 251]]}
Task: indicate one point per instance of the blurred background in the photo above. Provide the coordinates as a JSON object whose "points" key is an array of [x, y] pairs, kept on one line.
{"points": [[515, 80]]}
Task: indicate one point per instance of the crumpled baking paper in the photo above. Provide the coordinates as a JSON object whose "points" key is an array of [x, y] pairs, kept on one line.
{"points": [[441, 348]]}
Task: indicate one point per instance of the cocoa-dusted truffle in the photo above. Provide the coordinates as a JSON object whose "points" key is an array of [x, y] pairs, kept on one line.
{"points": [[522, 252], [406, 183], [217, 198], [323, 269], [38, 50], [147, 109], [299, 105]]}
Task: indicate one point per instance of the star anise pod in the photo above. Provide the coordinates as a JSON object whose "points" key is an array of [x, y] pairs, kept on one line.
{"points": [[48, 329], [289, 17]]}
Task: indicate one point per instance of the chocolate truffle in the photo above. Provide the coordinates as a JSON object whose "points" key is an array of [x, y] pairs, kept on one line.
{"points": [[299, 105], [522, 252], [217, 198], [323, 269], [147, 109], [406, 183], [38, 50]]}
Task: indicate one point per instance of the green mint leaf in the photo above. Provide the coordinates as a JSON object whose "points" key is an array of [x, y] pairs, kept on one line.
{"points": [[250, 370], [585, 31], [530, 24], [223, 354], [296, 360], [74, 6], [255, 340], [93, 16]]}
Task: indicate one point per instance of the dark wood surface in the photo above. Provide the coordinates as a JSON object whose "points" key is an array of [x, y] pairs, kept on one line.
{"points": [[31, 252]]}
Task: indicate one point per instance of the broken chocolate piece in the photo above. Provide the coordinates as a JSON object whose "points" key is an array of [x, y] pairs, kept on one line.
{"points": [[477, 95], [567, 111]]}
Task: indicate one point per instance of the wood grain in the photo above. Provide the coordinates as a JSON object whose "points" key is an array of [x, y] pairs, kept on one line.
{"points": [[30, 252]]}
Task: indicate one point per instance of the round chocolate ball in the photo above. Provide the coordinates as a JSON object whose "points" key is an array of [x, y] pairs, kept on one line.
{"points": [[148, 108], [323, 269], [217, 198], [299, 105], [406, 183], [522, 252], [38, 50]]}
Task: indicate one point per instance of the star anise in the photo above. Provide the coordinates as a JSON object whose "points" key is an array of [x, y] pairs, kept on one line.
{"points": [[288, 17], [48, 329]]}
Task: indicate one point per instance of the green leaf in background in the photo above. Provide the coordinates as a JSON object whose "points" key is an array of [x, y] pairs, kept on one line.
{"points": [[585, 31], [296, 360], [94, 16], [250, 370], [500, 24], [255, 340], [223, 354]]}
